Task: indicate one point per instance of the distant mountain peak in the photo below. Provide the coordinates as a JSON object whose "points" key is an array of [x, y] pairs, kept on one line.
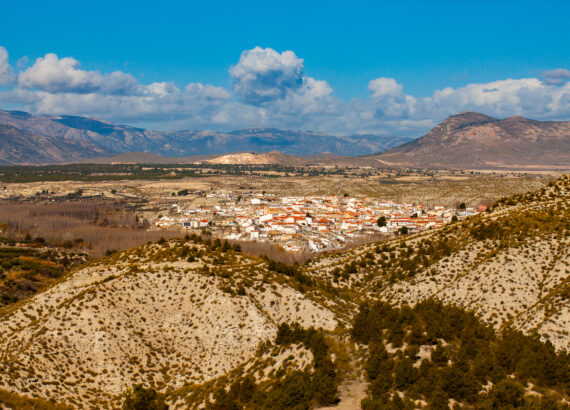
{"points": [[474, 140], [467, 118], [16, 113], [517, 118]]}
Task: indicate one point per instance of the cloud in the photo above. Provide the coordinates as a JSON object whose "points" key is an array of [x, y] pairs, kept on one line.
{"points": [[385, 87], [556, 77], [56, 75], [263, 75], [273, 90], [208, 92], [389, 98], [269, 89], [6, 73], [161, 89], [160, 105], [22, 62], [528, 96]]}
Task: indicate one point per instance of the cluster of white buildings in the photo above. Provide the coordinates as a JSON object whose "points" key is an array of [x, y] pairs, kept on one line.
{"points": [[306, 223]]}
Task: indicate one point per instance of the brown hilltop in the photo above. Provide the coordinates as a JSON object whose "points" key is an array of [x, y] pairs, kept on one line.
{"points": [[473, 140]]}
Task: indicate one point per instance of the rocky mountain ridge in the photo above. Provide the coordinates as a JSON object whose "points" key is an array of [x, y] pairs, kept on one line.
{"points": [[464, 141], [95, 139], [473, 140], [22, 147]]}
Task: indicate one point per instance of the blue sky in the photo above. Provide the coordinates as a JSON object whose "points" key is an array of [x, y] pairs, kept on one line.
{"points": [[423, 46]]}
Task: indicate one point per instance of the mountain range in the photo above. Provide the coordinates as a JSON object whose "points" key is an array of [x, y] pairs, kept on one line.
{"points": [[42, 139], [464, 141]]}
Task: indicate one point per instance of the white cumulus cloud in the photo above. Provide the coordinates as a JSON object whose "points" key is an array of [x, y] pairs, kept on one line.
{"points": [[389, 98], [385, 87], [55, 75], [208, 92], [269, 89], [6, 73], [556, 76], [529, 97], [263, 75]]}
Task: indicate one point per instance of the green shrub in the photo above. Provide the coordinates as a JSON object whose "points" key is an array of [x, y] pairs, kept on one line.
{"points": [[141, 398]]}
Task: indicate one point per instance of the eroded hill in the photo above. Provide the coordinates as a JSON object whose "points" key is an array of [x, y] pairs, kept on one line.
{"points": [[208, 326], [510, 265], [165, 314]]}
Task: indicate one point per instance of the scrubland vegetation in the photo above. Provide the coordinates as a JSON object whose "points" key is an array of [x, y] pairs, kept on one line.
{"points": [[12, 400], [110, 172], [140, 397], [315, 385], [432, 353], [29, 267], [474, 315]]}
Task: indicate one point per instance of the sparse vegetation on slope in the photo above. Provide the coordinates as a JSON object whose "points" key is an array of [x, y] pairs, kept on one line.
{"points": [[140, 397], [30, 267], [510, 265], [289, 388], [432, 353], [11, 400], [165, 314], [203, 324]]}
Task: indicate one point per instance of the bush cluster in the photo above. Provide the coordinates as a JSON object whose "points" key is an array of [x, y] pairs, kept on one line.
{"points": [[466, 355], [143, 398], [291, 271], [299, 389]]}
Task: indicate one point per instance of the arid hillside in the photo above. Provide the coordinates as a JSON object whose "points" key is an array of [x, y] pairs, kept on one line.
{"points": [[251, 158], [166, 314], [475, 313], [510, 265], [475, 141]]}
